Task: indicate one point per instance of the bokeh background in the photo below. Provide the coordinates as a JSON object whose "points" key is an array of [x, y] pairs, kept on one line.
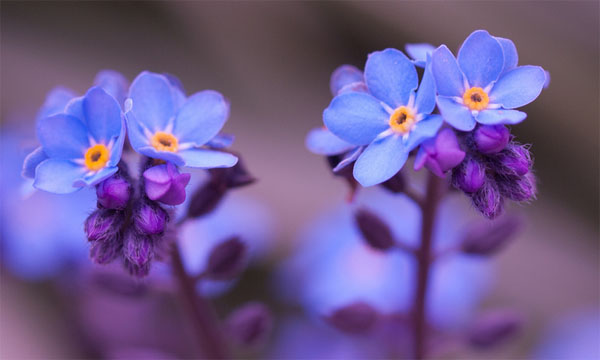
{"points": [[273, 61]]}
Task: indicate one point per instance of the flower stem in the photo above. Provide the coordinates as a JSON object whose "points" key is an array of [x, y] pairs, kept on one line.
{"points": [[205, 320], [435, 190]]}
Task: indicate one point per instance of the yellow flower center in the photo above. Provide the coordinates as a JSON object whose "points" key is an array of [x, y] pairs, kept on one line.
{"points": [[163, 141], [96, 157], [402, 120], [476, 98]]}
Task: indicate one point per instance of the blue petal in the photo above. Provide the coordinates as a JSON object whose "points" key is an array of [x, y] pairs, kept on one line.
{"points": [[153, 100], [493, 117], [201, 117], [344, 75], [481, 58], [449, 79], [419, 52], [391, 77], [356, 117], [56, 101], [424, 129], [221, 141], [322, 141], [178, 90], [455, 114], [63, 136], [58, 176], [511, 57], [151, 152], [117, 148], [96, 177], [75, 108], [32, 161], [136, 135], [518, 87], [349, 159], [207, 159], [102, 115], [381, 160], [114, 83], [425, 101]]}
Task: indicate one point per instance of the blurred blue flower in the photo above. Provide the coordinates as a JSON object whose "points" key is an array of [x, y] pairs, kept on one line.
{"points": [[163, 124], [335, 267], [392, 119], [484, 84], [419, 53]]}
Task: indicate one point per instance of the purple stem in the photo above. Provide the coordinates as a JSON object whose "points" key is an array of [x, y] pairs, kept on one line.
{"points": [[435, 190], [201, 312]]}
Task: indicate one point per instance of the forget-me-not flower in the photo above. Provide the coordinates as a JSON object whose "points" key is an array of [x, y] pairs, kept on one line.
{"points": [[163, 123], [392, 119], [484, 84]]}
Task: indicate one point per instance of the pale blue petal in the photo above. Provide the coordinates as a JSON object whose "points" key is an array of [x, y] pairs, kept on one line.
{"points": [[151, 152], [201, 117], [178, 90], [423, 130], [221, 141], [511, 57], [391, 77], [356, 117], [349, 159], [63, 136], [419, 52], [153, 100], [114, 83], [449, 79], [481, 59], [32, 161], [455, 114], [117, 149], [518, 87], [343, 76], [56, 101], [136, 135], [96, 177], [499, 116], [322, 141], [102, 115], [58, 176], [75, 109], [207, 159], [425, 101], [381, 160]]}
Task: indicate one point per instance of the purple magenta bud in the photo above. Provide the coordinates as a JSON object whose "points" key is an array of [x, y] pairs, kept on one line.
{"points": [[135, 269], [396, 184], [488, 200], [137, 248], [103, 224], [491, 139], [356, 318], [164, 183], [206, 198], [150, 218], [343, 76], [106, 250], [494, 328], [490, 237], [440, 154], [470, 176], [226, 260], [233, 177], [515, 160], [518, 189], [374, 230], [114, 192], [250, 324]]}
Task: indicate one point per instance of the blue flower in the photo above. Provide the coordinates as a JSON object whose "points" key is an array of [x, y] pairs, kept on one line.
{"points": [[83, 144], [484, 84], [391, 119], [419, 53], [163, 124]]}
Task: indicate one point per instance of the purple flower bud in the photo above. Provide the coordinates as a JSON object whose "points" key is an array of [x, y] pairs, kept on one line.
{"points": [[488, 200], [518, 189], [250, 324], [150, 218], [491, 139], [470, 176], [374, 230], [137, 248], [206, 198], [106, 250], [226, 260], [356, 318], [114, 192], [490, 237], [343, 76], [134, 269], [103, 224], [233, 177], [440, 154], [494, 328], [395, 184], [515, 160], [164, 183]]}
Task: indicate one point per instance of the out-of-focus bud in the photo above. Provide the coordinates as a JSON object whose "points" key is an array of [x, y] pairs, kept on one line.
{"points": [[344, 172], [233, 177], [114, 192], [226, 260], [489, 238], [440, 154], [356, 318], [106, 250], [138, 250], [343, 76], [103, 224], [374, 230], [164, 183], [150, 218], [206, 198], [135, 269], [250, 324], [396, 184], [520, 189], [494, 328], [515, 160], [469, 176], [488, 200], [491, 139]]}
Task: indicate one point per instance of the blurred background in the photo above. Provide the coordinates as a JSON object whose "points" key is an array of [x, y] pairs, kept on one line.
{"points": [[273, 61]]}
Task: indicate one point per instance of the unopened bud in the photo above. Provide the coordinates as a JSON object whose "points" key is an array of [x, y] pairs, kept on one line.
{"points": [[137, 248], [226, 260], [166, 184], [515, 160], [374, 230], [469, 176], [150, 218], [520, 189], [440, 154], [103, 224], [490, 237], [250, 324], [491, 139], [494, 328], [488, 200], [206, 198], [233, 177], [356, 318]]}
